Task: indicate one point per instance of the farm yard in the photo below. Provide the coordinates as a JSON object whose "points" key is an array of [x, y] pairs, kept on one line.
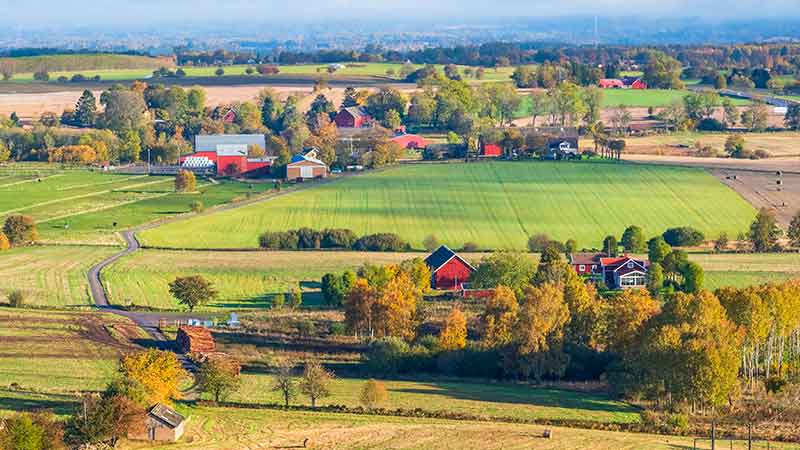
{"points": [[496, 205]]}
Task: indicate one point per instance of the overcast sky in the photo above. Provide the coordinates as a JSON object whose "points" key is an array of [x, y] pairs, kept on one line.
{"points": [[142, 12]]}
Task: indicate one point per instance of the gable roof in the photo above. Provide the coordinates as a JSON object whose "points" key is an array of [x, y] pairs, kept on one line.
{"points": [[301, 158], [619, 262], [585, 259], [228, 144], [442, 256], [356, 111], [167, 415], [627, 81]]}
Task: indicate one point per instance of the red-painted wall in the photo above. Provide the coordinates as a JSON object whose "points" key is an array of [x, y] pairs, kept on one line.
{"points": [[451, 275], [491, 150]]}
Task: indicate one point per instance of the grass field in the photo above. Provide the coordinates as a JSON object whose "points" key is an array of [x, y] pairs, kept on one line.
{"points": [[79, 206], [777, 144], [476, 399], [497, 205], [226, 429], [741, 270], [61, 352], [76, 63], [50, 276]]}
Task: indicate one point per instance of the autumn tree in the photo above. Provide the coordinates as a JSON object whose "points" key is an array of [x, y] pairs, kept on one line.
{"points": [[373, 394], [539, 334], [315, 382], [285, 383], [105, 419], [454, 331], [192, 291], [498, 318], [32, 431], [20, 230], [358, 308], [219, 378], [396, 308], [158, 373], [5, 244], [624, 317], [794, 230]]}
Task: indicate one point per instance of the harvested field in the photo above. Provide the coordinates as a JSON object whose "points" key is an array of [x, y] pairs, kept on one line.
{"points": [[782, 144]]}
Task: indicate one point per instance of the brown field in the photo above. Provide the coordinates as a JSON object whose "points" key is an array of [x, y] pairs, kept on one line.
{"points": [[783, 144]]}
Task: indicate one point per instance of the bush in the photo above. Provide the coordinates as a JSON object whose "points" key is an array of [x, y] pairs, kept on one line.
{"points": [[470, 247], [308, 238], [373, 394], [279, 240], [711, 124], [306, 328], [683, 237], [679, 423], [430, 243], [197, 206], [337, 329], [16, 299], [537, 242], [295, 298], [338, 238], [385, 355], [278, 301], [381, 242]]}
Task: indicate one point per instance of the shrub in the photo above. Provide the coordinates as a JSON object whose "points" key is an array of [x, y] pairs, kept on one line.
{"points": [[373, 394], [20, 230], [295, 298], [308, 238], [385, 355], [337, 329], [775, 385], [711, 124], [279, 240], [381, 242], [185, 181], [470, 247], [679, 423], [278, 301], [219, 72], [537, 242], [338, 238], [197, 206], [16, 299], [430, 243], [683, 237], [306, 328], [41, 75]]}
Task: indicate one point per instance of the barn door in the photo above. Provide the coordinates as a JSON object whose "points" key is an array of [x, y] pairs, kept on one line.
{"points": [[306, 172]]}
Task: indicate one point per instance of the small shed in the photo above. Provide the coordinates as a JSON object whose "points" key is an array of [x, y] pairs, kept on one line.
{"points": [[448, 270], [192, 339], [305, 167], [162, 424]]}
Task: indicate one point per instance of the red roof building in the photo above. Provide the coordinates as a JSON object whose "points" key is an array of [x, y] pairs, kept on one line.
{"points": [[412, 141], [227, 154], [623, 83], [611, 83], [449, 271], [353, 117], [618, 272], [491, 150]]}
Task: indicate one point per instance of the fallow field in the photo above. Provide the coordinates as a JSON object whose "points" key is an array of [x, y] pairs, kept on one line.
{"points": [[495, 205]]}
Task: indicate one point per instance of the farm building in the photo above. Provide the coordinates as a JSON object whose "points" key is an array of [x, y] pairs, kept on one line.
{"points": [[305, 167], [228, 154], [622, 272], [491, 150], [162, 424], [353, 117], [448, 270], [192, 339], [413, 141], [622, 83]]}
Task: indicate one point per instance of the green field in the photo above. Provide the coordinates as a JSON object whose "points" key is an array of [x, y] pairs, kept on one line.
{"points": [[740, 270], [496, 205], [60, 352], [81, 206], [53, 276], [94, 62]]}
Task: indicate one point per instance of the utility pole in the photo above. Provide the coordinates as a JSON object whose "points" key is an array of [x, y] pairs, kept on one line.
{"points": [[148, 160]]}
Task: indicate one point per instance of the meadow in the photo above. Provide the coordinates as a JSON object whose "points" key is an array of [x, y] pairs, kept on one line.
{"points": [[81, 206], [779, 144], [497, 205], [74, 63], [225, 428], [52, 276], [61, 352]]}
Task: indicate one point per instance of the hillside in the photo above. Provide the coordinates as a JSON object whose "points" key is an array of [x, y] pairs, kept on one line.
{"points": [[495, 205]]}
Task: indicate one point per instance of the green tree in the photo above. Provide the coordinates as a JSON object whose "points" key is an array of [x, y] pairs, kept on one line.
{"points": [[5, 152], [32, 431], [693, 277], [192, 291], [105, 419], [655, 278], [792, 118], [86, 110], [662, 71], [219, 378], [20, 230], [421, 109], [610, 246], [657, 249], [510, 269], [124, 109], [384, 100], [315, 382], [131, 146], [764, 231], [734, 146], [794, 230], [633, 239]]}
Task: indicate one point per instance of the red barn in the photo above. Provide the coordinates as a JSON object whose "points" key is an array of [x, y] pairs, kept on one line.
{"points": [[491, 150], [611, 83], [449, 271], [228, 154], [586, 264], [410, 141], [353, 117], [634, 83]]}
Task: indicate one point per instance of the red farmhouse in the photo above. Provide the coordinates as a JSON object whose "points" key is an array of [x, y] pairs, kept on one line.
{"points": [[353, 117], [448, 269], [621, 272]]}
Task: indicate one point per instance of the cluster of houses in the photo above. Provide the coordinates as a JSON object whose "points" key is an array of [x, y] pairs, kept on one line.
{"points": [[451, 272]]}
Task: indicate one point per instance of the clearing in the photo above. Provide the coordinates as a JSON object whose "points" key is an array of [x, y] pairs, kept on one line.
{"points": [[497, 205]]}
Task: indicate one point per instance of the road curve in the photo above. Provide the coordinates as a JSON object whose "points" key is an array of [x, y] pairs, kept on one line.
{"points": [[95, 284]]}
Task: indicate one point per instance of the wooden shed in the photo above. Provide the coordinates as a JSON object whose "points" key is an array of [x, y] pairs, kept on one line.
{"points": [[194, 340], [305, 167], [162, 424]]}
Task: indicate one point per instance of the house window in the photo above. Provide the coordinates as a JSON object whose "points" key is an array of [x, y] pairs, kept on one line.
{"points": [[632, 280], [630, 265], [582, 268]]}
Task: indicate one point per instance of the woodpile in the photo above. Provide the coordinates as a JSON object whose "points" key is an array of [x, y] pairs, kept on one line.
{"points": [[195, 340]]}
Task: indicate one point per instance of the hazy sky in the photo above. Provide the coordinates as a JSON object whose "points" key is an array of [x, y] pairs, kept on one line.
{"points": [[138, 12]]}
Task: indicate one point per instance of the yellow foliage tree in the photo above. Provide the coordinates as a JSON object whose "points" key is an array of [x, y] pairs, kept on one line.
{"points": [[185, 181], [397, 307], [73, 154], [5, 244], [157, 372], [498, 318], [358, 308], [454, 331], [624, 317]]}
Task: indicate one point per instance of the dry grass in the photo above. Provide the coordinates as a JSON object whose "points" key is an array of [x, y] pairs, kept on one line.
{"points": [[776, 144]]}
